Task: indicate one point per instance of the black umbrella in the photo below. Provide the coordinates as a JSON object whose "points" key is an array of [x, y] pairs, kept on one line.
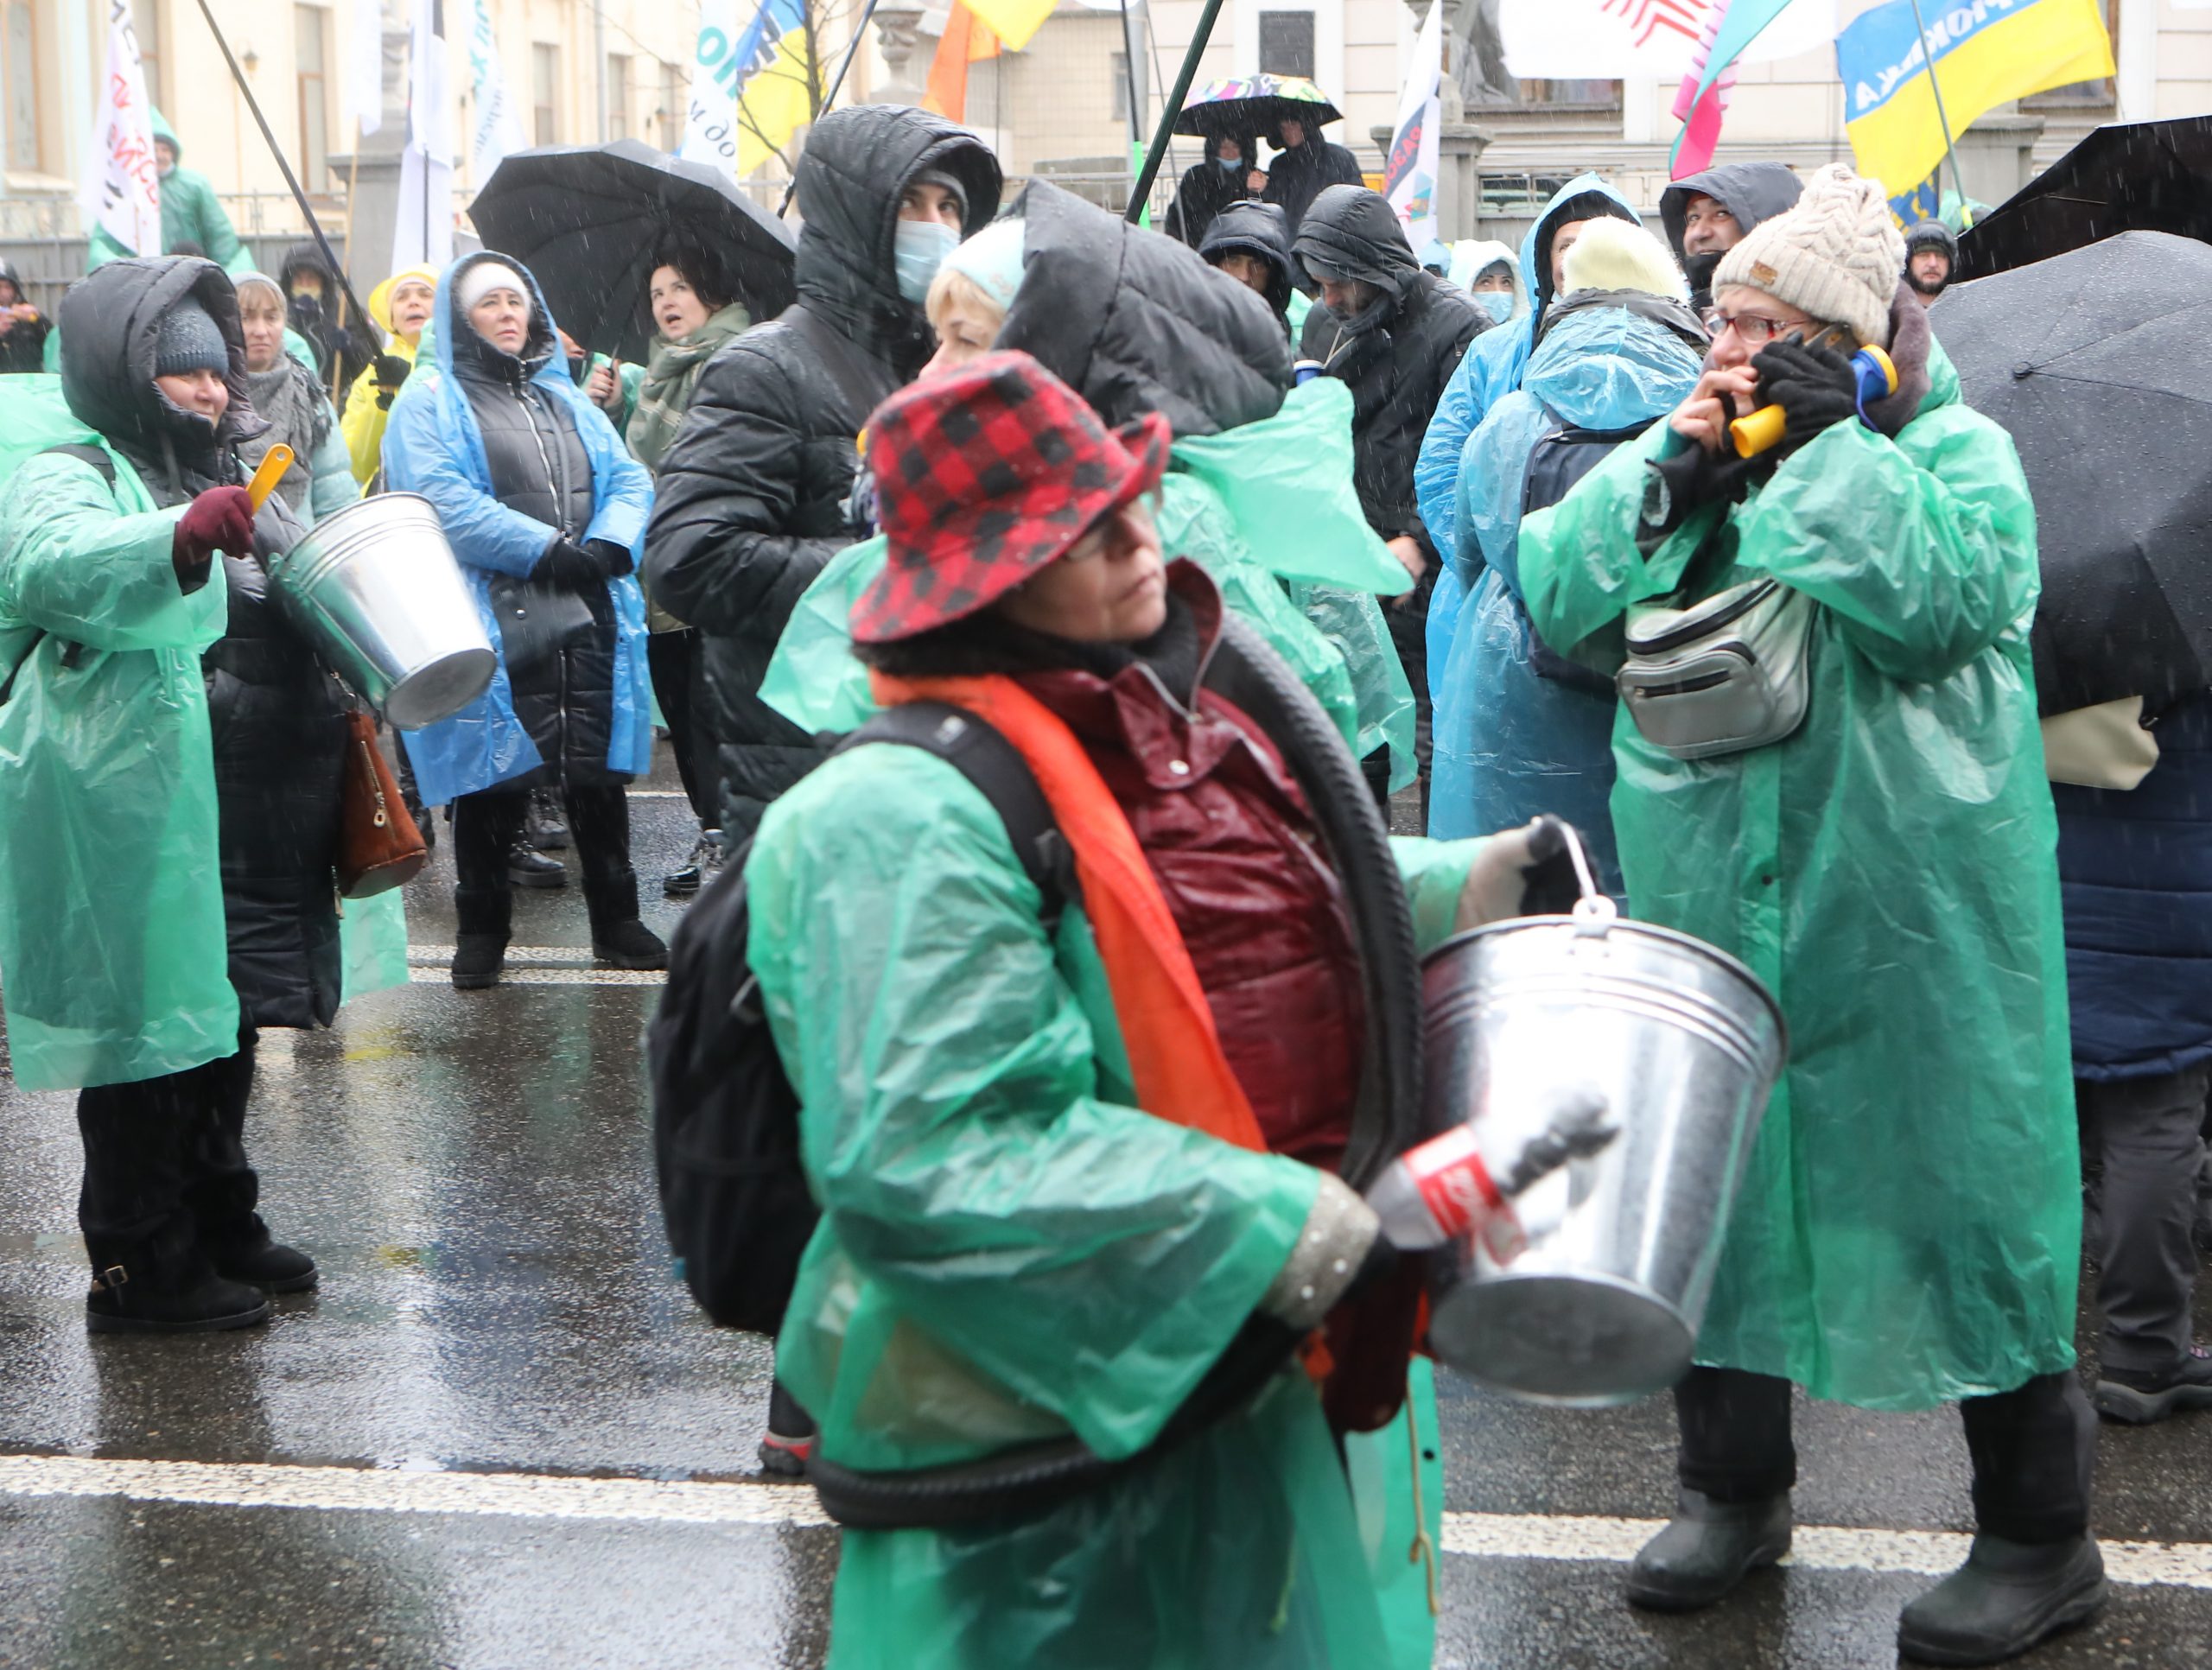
{"points": [[2128, 176], [2099, 362], [586, 219]]}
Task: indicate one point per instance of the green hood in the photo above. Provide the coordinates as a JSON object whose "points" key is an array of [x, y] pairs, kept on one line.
{"points": [[163, 131]]}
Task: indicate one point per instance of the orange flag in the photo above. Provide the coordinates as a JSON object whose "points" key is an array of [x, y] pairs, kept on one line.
{"points": [[967, 40]]}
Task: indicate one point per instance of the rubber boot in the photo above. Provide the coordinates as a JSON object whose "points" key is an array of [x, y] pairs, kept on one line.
{"points": [[165, 1284], [1707, 1549], [480, 950], [619, 940], [2007, 1596]]}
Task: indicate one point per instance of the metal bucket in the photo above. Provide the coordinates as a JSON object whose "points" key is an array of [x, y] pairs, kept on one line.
{"points": [[376, 590], [1598, 1298]]}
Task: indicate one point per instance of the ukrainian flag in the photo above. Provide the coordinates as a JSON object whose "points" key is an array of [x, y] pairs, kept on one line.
{"points": [[762, 68], [1985, 51]]}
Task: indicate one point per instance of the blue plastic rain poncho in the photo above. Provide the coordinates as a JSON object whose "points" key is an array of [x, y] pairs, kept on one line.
{"points": [[1908, 1228], [1492, 369], [433, 447], [1510, 742]]}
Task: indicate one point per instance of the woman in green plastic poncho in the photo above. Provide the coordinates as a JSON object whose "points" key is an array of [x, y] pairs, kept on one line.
{"points": [[1908, 1232], [1056, 1166]]}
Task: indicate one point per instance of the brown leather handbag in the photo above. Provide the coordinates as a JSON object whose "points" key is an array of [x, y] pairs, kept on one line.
{"points": [[379, 846]]}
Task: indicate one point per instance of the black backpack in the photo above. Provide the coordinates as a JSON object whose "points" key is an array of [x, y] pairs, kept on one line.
{"points": [[1563, 454], [726, 1138]]}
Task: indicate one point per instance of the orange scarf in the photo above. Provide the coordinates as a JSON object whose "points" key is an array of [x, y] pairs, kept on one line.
{"points": [[1175, 1055]]}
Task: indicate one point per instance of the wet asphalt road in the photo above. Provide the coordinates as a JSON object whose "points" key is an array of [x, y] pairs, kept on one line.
{"points": [[472, 1171]]}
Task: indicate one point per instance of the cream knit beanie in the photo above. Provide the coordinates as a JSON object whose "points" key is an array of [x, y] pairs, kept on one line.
{"points": [[1836, 255]]}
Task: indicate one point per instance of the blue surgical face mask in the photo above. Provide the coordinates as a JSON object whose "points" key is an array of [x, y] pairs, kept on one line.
{"points": [[919, 251], [1230, 164], [1498, 303]]}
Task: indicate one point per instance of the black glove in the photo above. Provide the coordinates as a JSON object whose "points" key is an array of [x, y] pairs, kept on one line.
{"points": [[614, 560], [391, 370], [1816, 389], [1552, 888], [570, 565]]}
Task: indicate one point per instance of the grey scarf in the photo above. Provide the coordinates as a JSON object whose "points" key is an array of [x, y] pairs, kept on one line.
{"points": [[288, 395]]}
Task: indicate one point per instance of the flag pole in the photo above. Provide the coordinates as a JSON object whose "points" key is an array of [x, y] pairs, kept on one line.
{"points": [[290, 178], [1168, 112], [1936, 86], [860, 33]]}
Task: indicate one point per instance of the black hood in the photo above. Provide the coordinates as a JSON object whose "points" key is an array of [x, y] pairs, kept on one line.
{"points": [[1932, 235], [306, 256], [856, 164], [1255, 228], [7, 271], [472, 354], [1752, 192], [1352, 232], [111, 318], [1136, 323]]}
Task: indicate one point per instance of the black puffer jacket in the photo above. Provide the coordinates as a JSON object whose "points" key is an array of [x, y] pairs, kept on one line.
{"points": [[1398, 355], [750, 500], [540, 467], [1208, 188], [1136, 323], [276, 716], [23, 347], [1258, 230], [316, 319], [1301, 174]]}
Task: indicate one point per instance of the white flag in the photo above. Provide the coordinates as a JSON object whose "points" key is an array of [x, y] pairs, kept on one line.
{"points": [[424, 233], [1620, 39], [495, 131], [365, 66], [711, 125], [1409, 171], [122, 192]]}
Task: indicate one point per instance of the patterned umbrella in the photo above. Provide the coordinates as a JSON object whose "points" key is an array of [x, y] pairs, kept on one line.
{"points": [[1256, 104]]}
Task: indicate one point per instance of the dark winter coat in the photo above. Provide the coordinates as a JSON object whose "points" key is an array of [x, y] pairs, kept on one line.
{"points": [[276, 716], [1298, 175], [540, 467], [1208, 188], [1752, 192], [2135, 870], [1135, 322], [1397, 355], [749, 503], [23, 347], [1255, 229], [317, 320]]}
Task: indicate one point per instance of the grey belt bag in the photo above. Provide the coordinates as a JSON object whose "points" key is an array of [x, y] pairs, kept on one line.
{"points": [[1726, 674]]}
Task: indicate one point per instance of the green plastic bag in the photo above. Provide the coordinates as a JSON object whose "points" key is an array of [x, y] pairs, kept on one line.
{"points": [[112, 955], [372, 941], [1397, 1492]]}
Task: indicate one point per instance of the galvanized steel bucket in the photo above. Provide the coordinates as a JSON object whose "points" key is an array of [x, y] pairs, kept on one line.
{"points": [[1599, 1300], [376, 590]]}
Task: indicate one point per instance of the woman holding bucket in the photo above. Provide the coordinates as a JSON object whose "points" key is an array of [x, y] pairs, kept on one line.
{"points": [[1882, 856], [545, 509]]}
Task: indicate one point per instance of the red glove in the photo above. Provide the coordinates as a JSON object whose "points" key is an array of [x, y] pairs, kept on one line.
{"points": [[220, 519]]}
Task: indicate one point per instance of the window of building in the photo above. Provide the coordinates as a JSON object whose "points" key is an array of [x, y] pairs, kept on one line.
{"points": [[2100, 94], [673, 108], [19, 76], [146, 19], [544, 104], [1121, 84], [1287, 43], [311, 34], [618, 97]]}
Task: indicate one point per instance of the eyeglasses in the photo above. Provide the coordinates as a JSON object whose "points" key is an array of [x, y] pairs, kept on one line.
{"points": [[1756, 329]]}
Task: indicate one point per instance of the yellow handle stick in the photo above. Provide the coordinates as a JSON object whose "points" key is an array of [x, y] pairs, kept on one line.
{"points": [[273, 466], [1877, 376]]}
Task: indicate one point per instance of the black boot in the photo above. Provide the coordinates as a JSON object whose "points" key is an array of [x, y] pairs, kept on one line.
{"points": [[1706, 1549], [528, 867], [255, 1257], [165, 1284], [2141, 1396], [2005, 1598], [480, 950], [619, 940], [788, 1444], [545, 826]]}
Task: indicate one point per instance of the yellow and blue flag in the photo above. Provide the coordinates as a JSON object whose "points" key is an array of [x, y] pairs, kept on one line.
{"points": [[751, 85], [1984, 51]]}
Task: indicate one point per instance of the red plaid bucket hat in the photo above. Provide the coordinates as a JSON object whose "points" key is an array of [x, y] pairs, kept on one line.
{"points": [[984, 476]]}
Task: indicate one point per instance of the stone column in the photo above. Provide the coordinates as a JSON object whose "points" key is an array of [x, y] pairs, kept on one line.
{"points": [[895, 28], [1458, 174]]}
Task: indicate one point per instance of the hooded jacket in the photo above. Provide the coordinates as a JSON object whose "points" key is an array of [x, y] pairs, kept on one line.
{"points": [[1259, 230], [1207, 189], [1397, 357], [597, 719], [363, 421], [1752, 191], [191, 213], [22, 348], [749, 503], [1474, 257], [1492, 367], [346, 349], [1301, 173], [1901, 1239]]}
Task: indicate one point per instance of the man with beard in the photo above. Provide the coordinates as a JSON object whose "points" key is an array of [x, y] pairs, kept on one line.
{"points": [[1931, 254], [1708, 215]]}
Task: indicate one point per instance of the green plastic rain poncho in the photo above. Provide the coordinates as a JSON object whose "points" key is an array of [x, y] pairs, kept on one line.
{"points": [[112, 957], [191, 213], [1909, 1229], [1010, 1252], [1268, 511]]}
